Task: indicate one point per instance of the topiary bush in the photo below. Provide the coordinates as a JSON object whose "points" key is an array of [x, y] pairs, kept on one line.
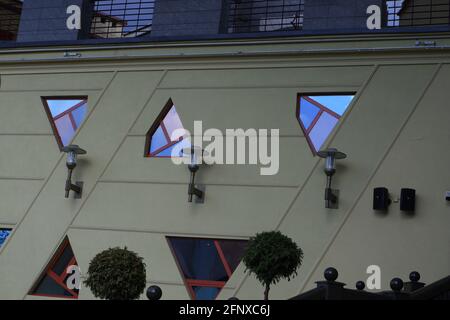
{"points": [[272, 256], [116, 274]]}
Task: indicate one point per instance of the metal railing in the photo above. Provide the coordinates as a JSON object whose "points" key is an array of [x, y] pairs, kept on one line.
{"points": [[330, 289], [10, 11], [247, 16], [122, 18], [405, 13], [265, 15]]}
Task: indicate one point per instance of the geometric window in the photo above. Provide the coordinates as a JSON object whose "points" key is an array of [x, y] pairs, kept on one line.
{"points": [[319, 114], [66, 114], [4, 234], [206, 264], [165, 134], [53, 280]]}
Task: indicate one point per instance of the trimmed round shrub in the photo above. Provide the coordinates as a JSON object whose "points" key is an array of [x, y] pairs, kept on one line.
{"points": [[272, 256], [116, 274]]}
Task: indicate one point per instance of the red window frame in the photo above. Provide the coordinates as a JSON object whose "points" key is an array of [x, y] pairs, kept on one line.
{"points": [[84, 100], [322, 109], [159, 122], [59, 279], [190, 283]]}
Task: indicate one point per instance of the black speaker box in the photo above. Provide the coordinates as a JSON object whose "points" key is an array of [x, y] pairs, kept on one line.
{"points": [[381, 200], [408, 200]]}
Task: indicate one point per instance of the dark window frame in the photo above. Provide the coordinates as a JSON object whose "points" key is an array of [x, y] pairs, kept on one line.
{"points": [[137, 14], [154, 127], [69, 111], [306, 95], [59, 279], [190, 283], [10, 229], [12, 18]]}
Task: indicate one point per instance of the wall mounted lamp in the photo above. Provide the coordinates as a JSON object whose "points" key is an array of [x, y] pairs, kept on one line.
{"points": [[71, 162], [195, 155], [331, 155]]}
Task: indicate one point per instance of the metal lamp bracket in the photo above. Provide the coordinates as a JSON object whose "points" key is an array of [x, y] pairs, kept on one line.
{"points": [[202, 188], [332, 200], [77, 189]]}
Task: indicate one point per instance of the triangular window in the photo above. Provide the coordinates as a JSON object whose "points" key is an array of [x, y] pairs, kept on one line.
{"points": [[319, 114], [66, 114], [54, 280], [206, 264], [4, 234], [165, 133]]}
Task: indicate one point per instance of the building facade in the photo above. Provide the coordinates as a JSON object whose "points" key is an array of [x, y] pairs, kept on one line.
{"points": [[111, 96]]}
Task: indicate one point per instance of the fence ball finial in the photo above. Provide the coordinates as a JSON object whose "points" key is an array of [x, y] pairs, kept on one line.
{"points": [[396, 284], [331, 274], [154, 293], [414, 276], [360, 285]]}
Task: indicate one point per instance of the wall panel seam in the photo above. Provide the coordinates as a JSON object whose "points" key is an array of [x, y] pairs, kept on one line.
{"points": [[159, 232], [43, 187], [214, 184], [46, 181], [87, 196], [303, 185], [355, 203]]}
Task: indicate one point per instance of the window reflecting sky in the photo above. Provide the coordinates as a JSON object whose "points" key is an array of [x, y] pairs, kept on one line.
{"points": [[136, 13]]}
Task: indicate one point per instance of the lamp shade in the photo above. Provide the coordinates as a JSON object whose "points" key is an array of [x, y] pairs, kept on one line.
{"points": [[331, 152], [195, 154], [74, 148], [72, 151]]}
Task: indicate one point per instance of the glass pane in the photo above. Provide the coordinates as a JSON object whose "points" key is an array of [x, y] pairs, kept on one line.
{"points": [[59, 106], [233, 250], [166, 152], [79, 114], [48, 286], [322, 130], [179, 147], [65, 129], [198, 259], [338, 104], [206, 293], [158, 140], [4, 234], [308, 112], [63, 261], [172, 122]]}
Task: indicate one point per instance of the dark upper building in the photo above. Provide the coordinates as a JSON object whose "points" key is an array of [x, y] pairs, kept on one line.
{"points": [[424, 12], [45, 20], [10, 11]]}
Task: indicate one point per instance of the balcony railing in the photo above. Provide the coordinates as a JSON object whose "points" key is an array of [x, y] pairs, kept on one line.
{"points": [[265, 15], [330, 289], [122, 18], [10, 11], [405, 13], [248, 16]]}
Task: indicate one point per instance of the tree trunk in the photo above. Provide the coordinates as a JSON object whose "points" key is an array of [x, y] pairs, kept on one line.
{"points": [[266, 292]]}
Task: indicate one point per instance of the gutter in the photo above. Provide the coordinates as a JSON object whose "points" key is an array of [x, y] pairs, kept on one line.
{"points": [[78, 56]]}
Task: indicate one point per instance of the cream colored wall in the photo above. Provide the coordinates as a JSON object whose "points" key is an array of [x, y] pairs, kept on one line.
{"points": [[396, 135]]}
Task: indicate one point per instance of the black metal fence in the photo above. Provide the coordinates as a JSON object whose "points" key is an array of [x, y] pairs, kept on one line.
{"points": [[10, 11], [286, 15], [122, 18], [406, 13], [331, 289], [265, 15]]}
